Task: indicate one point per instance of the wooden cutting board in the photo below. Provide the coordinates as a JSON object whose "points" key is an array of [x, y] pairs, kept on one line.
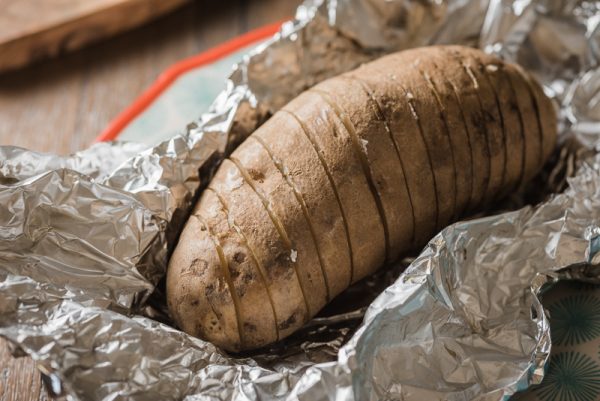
{"points": [[31, 30]]}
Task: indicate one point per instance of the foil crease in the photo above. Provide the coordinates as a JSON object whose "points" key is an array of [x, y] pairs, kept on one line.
{"points": [[84, 239]]}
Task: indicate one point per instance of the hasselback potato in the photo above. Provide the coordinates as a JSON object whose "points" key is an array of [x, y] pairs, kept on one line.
{"points": [[348, 176]]}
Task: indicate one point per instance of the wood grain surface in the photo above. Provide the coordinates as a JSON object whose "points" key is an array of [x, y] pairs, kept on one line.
{"points": [[31, 30], [61, 105]]}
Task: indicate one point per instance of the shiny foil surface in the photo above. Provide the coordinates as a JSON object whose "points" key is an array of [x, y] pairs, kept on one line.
{"points": [[84, 240]]}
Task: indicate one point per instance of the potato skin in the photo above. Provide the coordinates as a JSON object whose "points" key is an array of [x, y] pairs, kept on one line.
{"points": [[352, 173]]}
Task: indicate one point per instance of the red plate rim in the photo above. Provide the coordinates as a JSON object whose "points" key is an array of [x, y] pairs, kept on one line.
{"points": [[165, 79]]}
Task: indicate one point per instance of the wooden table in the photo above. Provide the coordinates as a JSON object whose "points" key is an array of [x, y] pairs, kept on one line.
{"points": [[61, 105]]}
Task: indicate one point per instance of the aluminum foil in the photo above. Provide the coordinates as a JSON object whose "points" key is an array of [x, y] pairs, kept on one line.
{"points": [[84, 240]]}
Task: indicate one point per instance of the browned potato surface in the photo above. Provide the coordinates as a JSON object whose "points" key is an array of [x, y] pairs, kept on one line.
{"points": [[352, 174]]}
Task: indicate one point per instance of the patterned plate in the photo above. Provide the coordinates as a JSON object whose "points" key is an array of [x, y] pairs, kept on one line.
{"points": [[573, 372], [182, 92]]}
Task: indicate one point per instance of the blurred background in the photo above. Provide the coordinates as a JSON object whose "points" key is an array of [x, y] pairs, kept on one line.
{"points": [[68, 67], [57, 99]]}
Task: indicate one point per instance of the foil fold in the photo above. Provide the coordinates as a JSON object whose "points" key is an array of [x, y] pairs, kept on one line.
{"points": [[84, 239]]}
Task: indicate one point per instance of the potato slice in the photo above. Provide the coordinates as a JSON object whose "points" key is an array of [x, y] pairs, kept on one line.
{"points": [[544, 113], [410, 142], [382, 159], [511, 122], [308, 175], [493, 118], [198, 294], [249, 282], [428, 64], [249, 213], [426, 109], [329, 134], [262, 174]]}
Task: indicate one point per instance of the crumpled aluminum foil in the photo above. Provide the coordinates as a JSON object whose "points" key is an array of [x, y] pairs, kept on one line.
{"points": [[84, 240]]}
